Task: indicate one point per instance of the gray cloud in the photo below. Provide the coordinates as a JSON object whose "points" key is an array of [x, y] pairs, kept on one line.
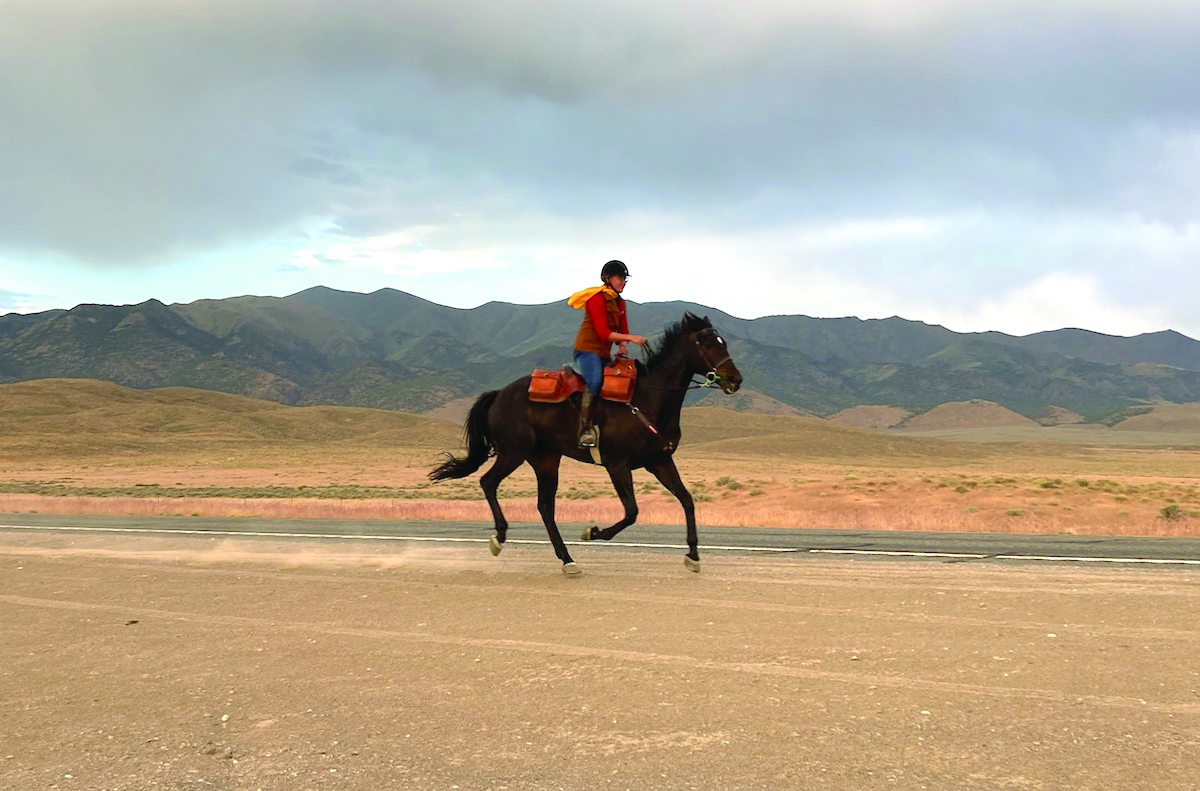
{"points": [[142, 130]]}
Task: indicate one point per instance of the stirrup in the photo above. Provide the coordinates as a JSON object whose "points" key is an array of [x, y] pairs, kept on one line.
{"points": [[589, 438]]}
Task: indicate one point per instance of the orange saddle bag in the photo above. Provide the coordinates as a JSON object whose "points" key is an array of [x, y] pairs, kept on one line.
{"points": [[619, 379], [554, 387]]}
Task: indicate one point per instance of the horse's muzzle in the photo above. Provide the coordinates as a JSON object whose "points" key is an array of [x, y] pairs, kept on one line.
{"points": [[731, 381]]}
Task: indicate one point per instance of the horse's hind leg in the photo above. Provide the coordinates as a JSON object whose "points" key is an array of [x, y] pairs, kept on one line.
{"points": [[503, 467], [622, 480], [546, 468]]}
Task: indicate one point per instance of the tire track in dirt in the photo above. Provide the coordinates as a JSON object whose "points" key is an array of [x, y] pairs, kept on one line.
{"points": [[646, 658], [1164, 582]]}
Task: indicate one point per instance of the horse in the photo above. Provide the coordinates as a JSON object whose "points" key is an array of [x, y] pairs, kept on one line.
{"points": [[644, 433]]}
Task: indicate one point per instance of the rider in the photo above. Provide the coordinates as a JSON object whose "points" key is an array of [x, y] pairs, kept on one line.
{"points": [[604, 323]]}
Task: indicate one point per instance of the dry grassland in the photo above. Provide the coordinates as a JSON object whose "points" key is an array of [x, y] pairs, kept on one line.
{"points": [[76, 446]]}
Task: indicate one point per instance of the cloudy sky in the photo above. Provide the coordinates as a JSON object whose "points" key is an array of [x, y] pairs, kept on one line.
{"points": [[983, 164]]}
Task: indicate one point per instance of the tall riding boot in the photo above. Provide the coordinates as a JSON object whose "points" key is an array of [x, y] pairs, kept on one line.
{"points": [[588, 436]]}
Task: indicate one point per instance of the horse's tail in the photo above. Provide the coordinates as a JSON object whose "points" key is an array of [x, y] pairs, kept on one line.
{"points": [[478, 438]]}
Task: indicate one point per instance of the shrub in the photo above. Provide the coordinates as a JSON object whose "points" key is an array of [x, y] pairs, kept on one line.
{"points": [[1171, 512], [1014, 512]]}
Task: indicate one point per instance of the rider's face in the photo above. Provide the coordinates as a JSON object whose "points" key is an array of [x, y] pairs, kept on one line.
{"points": [[616, 283]]}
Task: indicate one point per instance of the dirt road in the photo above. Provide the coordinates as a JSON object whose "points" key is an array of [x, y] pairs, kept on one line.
{"points": [[196, 663]]}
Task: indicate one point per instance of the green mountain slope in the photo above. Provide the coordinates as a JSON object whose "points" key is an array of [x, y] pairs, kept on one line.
{"points": [[1166, 347], [394, 350]]}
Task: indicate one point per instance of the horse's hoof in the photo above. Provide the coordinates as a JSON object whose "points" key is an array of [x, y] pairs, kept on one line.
{"points": [[572, 569], [587, 534], [495, 546], [691, 565]]}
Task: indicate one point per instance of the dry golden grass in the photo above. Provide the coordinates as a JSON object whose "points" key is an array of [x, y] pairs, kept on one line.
{"points": [[182, 451], [1087, 435]]}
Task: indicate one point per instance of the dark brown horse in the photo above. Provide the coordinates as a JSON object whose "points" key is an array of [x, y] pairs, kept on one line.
{"points": [[644, 433]]}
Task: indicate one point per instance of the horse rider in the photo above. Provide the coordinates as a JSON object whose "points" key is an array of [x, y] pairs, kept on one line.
{"points": [[604, 323]]}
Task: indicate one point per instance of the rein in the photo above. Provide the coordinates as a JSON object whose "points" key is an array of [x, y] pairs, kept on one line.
{"points": [[669, 447]]}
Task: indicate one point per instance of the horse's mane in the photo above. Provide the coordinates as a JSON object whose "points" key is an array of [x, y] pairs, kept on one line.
{"points": [[671, 335]]}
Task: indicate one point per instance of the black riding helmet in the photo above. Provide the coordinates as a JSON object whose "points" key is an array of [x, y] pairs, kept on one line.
{"points": [[613, 268]]}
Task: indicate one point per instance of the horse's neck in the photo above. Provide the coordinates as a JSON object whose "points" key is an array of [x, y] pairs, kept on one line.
{"points": [[668, 385]]}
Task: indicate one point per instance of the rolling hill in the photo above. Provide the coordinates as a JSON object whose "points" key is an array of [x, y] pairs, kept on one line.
{"points": [[966, 414], [82, 417], [51, 417]]}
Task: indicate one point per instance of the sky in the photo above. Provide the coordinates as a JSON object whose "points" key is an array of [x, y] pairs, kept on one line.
{"points": [[985, 164]]}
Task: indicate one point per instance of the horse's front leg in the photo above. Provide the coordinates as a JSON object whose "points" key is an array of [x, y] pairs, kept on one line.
{"points": [[668, 476], [622, 480], [546, 469]]}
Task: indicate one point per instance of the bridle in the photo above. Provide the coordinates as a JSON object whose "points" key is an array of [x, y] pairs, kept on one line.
{"points": [[711, 379]]}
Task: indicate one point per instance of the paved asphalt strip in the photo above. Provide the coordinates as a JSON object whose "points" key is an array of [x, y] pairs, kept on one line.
{"points": [[951, 547]]}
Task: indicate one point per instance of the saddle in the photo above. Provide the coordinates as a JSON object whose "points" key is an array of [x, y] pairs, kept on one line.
{"points": [[554, 387]]}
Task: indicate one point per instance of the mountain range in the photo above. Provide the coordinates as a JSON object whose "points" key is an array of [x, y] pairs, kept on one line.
{"points": [[395, 350]]}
